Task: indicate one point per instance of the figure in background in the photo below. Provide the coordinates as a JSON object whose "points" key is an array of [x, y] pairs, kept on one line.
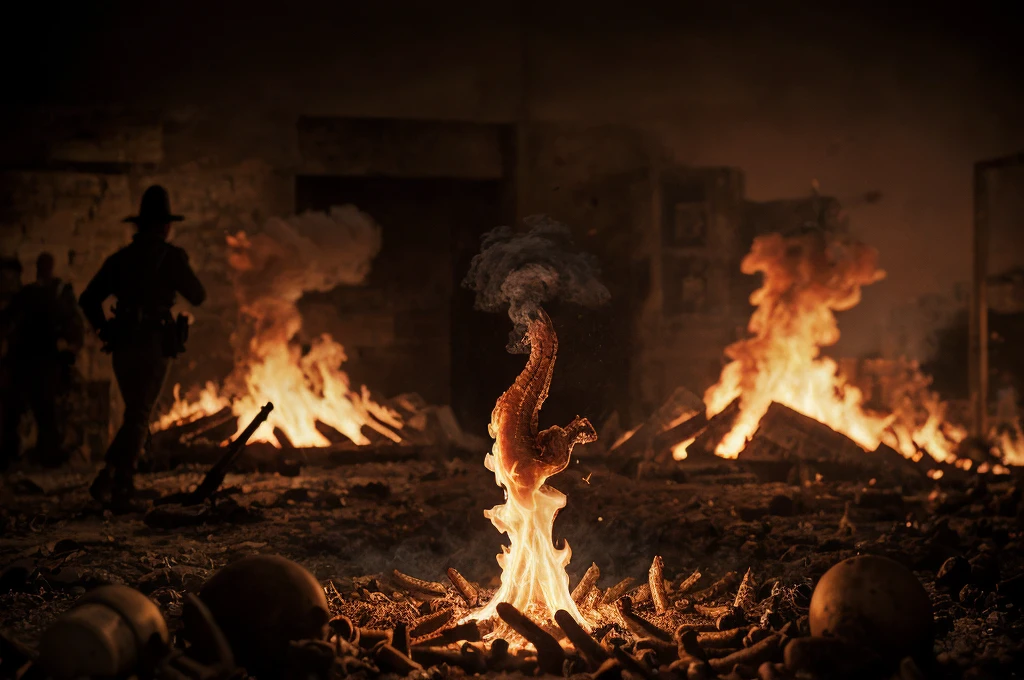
{"points": [[44, 333], [145, 277]]}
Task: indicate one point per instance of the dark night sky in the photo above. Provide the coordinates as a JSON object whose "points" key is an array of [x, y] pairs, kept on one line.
{"points": [[900, 97]]}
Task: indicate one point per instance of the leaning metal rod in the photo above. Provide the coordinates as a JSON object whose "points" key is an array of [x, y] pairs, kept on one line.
{"points": [[215, 477], [978, 358]]}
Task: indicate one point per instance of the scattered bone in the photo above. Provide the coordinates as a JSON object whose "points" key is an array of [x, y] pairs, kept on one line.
{"points": [[747, 592], [390, 659], [586, 584], [636, 624], [463, 587], [640, 594], [768, 649], [657, 585], [418, 586], [689, 583], [617, 590], [431, 623]]}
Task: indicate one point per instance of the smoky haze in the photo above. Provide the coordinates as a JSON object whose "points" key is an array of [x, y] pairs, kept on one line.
{"points": [[860, 96], [522, 270]]}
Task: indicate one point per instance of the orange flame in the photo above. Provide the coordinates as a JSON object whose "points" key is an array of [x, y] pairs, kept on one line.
{"points": [[271, 270], [533, 576], [807, 278]]}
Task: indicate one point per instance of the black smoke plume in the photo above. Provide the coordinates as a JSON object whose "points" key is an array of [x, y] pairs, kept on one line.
{"points": [[522, 270]]}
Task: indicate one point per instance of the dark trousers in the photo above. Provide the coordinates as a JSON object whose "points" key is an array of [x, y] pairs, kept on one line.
{"points": [[30, 385], [141, 369]]}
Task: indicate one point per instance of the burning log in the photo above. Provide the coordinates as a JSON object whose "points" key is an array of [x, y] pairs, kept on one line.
{"points": [[681, 407], [657, 585], [417, 586], [550, 655], [463, 587], [586, 583], [684, 431], [785, 434], [719, 425], [594, 653], [216, 426]]}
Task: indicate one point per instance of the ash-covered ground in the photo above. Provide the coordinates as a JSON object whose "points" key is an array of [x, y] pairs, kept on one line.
{"points": [[351, 525]]}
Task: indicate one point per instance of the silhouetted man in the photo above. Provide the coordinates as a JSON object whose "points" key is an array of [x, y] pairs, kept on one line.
{"points": [[44, 333], [145, 277]]}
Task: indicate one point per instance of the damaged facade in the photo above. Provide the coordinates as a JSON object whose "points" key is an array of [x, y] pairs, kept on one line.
{"points": [[669, 240]]}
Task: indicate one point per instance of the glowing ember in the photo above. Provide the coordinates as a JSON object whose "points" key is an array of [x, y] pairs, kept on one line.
{"points": [[679, 450], [271, 271], [533, 576], [807, 278]]}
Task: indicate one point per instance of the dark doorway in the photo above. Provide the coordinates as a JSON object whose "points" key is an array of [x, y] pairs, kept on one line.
{"points": [[412, 327]]}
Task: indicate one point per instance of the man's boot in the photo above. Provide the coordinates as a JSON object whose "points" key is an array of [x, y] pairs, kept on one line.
{"points": [[102, 485], [122, 495]]}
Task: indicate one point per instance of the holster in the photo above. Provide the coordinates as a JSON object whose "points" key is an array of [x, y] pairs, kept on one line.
{"points": [[175, 335]]}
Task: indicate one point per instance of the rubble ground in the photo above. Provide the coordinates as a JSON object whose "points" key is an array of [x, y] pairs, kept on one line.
{"points": [[352, 525]]}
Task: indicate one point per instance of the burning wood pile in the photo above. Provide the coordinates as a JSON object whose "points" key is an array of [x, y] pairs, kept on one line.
{"points": [[780, 400], [316, 407], [901, 569]]}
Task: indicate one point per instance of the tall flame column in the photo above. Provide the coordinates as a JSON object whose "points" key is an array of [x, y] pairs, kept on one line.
{"points": [[533, 577]]}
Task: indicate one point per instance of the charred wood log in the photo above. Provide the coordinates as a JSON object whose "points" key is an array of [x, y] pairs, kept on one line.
{"points": [[682, 405], [688, 429], [590, 648], [718, 426], [200, 427], [550, 655]]}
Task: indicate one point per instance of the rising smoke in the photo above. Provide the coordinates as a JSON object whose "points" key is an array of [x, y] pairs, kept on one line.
{"points": [[523, 270], [313, 251]]}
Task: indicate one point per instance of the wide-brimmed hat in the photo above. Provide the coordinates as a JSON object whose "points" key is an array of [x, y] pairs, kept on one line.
{"points": [[155, 208]]}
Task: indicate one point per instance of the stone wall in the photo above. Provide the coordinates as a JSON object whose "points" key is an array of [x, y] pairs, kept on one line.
{"points": [[669, 240]]}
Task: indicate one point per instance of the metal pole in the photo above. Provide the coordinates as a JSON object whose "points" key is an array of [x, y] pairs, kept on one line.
{"points": [[978, 359], [978, 372]]}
